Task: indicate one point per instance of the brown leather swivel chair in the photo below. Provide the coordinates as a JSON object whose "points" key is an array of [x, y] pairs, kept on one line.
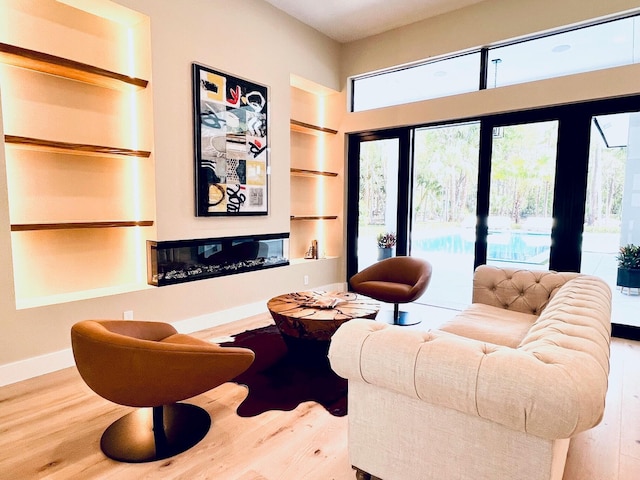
{"points": [[149, 364], [394, 280]]}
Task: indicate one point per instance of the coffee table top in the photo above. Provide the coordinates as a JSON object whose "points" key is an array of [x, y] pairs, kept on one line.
{"points": [[318, 314]]}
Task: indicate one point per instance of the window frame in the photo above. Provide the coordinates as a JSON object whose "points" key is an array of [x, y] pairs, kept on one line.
{"points": [[484, 56]]}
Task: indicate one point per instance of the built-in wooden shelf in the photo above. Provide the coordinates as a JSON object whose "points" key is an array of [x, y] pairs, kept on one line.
{"points": [[298, 126], [75, 148], [63, 67], [25, 227], [303, 172], [313, 217]]}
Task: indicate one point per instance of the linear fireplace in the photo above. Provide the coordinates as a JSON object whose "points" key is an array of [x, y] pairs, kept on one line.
{"points": [[177, 261]]}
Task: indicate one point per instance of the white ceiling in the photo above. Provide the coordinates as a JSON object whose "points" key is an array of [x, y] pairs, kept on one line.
{"points": [[348, 20]]}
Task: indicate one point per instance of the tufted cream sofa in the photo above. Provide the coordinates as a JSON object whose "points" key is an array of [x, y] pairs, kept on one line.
{"points": [[495, 393]]}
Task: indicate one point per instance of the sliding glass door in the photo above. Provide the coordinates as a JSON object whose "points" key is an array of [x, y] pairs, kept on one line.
{"points": [[612, 207], [377, 197], [443, 213], [555, 188]]}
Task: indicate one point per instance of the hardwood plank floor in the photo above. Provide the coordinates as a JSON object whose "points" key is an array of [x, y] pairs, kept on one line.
{"points": [[50, 427]]}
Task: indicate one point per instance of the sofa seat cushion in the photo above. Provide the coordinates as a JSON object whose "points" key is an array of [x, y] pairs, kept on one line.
{"points": [[491, 324]]}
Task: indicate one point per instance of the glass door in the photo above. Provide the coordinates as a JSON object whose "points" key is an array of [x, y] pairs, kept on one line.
{"points": [[443, 220], [377, 200], [612, 208], [523, 162]]}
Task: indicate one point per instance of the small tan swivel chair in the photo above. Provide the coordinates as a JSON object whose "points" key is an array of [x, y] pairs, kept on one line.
{"points": [[394, 280], [149, 364]]}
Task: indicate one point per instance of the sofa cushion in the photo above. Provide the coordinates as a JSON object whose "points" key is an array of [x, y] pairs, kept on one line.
{"points": [[526, 291], [576, 323], [491, 324]]}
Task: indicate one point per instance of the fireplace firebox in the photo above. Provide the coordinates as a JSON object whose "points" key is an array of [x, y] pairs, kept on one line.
{"points": [[178, 261]]}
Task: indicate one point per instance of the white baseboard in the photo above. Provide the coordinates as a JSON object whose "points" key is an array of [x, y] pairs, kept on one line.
{"points": [[35, 366], [51, 362], [214, 319]]}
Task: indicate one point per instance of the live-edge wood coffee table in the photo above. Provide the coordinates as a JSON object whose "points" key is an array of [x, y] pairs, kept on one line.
{"points": [[316, 315]]}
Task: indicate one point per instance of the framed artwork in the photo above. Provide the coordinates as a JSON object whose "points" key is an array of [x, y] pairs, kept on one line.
{"points": [[230, 144]]}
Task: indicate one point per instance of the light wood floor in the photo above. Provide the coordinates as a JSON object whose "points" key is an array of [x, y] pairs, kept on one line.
{"points": [[50, 427]]}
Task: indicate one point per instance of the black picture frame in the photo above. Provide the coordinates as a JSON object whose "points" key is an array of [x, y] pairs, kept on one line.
{"points": [[231, 118]]}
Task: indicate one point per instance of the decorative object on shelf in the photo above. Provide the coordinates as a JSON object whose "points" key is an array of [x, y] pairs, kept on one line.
{"points": [[312, 253], [181, 261], [386, 242], [230, 144], [628, 267]]}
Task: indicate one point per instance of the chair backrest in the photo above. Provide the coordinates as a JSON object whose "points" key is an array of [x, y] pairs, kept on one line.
{"points": [[381, 279], [148, 364]]}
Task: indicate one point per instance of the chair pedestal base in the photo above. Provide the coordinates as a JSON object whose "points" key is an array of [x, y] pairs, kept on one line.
{"points": [[149, 434], [404, 319]]}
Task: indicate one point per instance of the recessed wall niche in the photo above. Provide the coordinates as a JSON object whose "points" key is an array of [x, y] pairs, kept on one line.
{"points": [[78, 135]]}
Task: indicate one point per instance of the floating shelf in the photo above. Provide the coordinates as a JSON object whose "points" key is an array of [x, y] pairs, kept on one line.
{"points": [[303, 127], [25, 227], [74, 148], [313, 217], [302, 172], [65, 68]]}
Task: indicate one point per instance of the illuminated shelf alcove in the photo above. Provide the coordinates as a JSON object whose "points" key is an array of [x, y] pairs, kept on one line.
{"points": [[317, 157], [77, 147], [57, 266]]}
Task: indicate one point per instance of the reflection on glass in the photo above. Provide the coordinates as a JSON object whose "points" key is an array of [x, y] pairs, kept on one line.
{"points": [[600, 46]]}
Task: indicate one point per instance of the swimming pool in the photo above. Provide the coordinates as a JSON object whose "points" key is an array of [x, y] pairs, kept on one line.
{"points": [[505, 245]]}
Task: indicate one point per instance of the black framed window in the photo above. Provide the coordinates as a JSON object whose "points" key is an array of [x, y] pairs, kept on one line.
{"points": [[600, 44], [572, 126]]}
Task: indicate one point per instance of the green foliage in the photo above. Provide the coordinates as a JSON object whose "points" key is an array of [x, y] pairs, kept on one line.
{"points": [[446, 172], [376, 159], [386, 240], [629, 256], [522, 176]]}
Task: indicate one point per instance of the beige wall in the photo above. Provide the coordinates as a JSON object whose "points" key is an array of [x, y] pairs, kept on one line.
{"points": [[484, 24], [248, 38]]}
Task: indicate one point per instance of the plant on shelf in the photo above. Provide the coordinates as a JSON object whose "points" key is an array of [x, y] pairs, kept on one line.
{"points": [[628, 266], [386, 242]]}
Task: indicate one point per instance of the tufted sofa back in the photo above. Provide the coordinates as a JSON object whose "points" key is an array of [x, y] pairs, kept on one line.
{"points": [[525, 291]]}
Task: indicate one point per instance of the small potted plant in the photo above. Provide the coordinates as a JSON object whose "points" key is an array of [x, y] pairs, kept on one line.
{"points": [[629, 266], [386, 242]]}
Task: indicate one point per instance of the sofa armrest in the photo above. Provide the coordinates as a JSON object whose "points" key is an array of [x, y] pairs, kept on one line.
{"points": [[526, 291], [435, 366], [504, 385]]}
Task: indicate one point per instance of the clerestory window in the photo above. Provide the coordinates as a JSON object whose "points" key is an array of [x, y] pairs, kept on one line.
{"points": [[604, 44]]}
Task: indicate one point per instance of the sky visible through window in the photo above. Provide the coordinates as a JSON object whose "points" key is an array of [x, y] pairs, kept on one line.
{"points": [[604, 45]]}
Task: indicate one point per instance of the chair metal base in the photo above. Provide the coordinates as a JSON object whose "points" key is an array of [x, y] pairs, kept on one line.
{"points": [[150, 434], [404, 319]]}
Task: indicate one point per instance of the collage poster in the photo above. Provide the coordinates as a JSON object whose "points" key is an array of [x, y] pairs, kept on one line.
{"points": [[230, 127]]}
